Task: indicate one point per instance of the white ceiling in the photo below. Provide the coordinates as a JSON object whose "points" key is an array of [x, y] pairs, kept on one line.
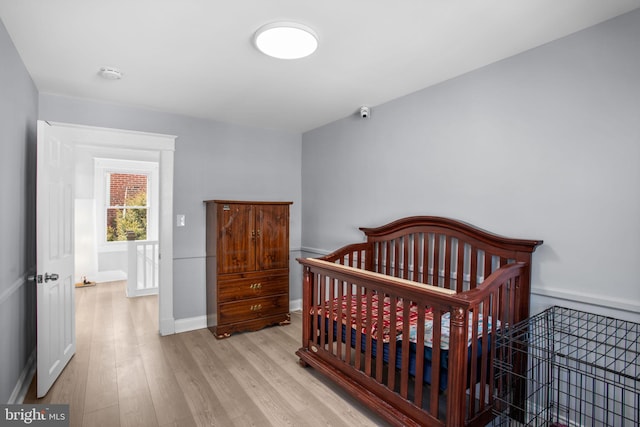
{"points": [[195, 57]]}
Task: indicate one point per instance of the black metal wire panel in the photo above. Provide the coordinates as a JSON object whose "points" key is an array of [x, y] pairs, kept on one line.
{"points": [[565, 367]]}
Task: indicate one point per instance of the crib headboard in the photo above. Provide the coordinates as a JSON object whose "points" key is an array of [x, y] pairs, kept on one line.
{"points": [[438, 251]]}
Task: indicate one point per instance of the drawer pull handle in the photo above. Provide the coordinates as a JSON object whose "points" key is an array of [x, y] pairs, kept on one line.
{"points": [[255, 286], [256, 307]]}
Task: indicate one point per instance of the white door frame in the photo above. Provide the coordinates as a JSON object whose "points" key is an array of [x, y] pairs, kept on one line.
{"points": [[165, 146]]}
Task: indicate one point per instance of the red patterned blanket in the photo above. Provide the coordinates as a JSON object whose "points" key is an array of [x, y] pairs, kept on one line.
{"points": [[348, 309]]}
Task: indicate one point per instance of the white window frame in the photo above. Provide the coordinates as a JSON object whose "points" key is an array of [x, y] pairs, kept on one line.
{"points": [[103, 169]]}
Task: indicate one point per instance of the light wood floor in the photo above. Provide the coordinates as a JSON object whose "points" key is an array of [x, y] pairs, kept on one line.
{"points": [[125, 374]]}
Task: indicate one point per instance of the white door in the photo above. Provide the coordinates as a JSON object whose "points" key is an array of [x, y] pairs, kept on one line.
{"points": [[55, 272]]}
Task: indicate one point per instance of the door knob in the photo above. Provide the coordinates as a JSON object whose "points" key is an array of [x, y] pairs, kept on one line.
{"points": [[52, 276], [38, 277]]}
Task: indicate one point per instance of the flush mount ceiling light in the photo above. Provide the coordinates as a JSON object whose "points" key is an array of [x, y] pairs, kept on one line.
{"points": [[286, 40], [110, 73]]}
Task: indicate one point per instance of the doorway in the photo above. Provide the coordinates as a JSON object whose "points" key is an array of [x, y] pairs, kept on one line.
{"points": [[90, 143]]}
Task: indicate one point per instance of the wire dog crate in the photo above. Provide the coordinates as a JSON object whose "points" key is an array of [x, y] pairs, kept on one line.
{"points": [[565, 367]]}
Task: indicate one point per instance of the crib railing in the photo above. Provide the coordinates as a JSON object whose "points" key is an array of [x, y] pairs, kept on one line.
{"points": [[143, 262], [375, 367]]}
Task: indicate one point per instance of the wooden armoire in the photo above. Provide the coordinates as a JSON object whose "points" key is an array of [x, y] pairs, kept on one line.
{"points": [[247, 265]]}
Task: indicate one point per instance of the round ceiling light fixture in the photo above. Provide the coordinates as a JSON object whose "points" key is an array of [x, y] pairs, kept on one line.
{"points": [[286, 40], [110, 73]]}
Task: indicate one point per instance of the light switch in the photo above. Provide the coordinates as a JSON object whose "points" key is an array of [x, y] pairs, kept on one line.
{"points": [[180, 220]]}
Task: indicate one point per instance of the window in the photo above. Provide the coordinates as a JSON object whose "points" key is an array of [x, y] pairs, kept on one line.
{"points": [[127, 208], [126, 194]]}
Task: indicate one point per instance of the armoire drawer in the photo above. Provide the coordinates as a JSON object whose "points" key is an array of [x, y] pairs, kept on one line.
{"points": [[253, 308], [253, 286]]}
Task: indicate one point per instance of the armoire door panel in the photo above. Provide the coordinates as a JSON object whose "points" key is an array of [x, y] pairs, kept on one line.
{"points": [[236, 238], [272, 249]]}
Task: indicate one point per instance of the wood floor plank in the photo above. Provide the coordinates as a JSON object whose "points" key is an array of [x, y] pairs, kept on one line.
{"points": [[136, 405], [186, 421], [168, 400], [214, 364], [104, 417], [265, 394], [205, 407], [124, 328], [102, 388]]}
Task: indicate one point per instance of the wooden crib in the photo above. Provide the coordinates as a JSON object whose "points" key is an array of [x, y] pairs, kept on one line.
{"points": [[420, 299]]}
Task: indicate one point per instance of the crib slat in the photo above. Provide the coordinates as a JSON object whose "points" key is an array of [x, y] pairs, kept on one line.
{"points": [[488, 261], [512, 299], [435, 361], [425, 258], [494, 327], [460, 268], [473, 271], [349, 329], [484, 361], [331, 308], [517, 297], [358, 327], [436, 259], [387, 270], [368, 338], [380, 337], [339, 317], [415, 259], [391, 380], [323, 329], [406, 246], [474, 364], [419, 374], [503, 261], [447, 262], [404, 370], [397, 272]]}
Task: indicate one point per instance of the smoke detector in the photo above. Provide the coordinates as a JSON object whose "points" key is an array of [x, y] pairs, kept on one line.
{"points": [[110, 73]]}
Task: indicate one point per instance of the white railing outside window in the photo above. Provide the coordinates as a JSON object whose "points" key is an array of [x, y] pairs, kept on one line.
{"points": [[142, 277]]}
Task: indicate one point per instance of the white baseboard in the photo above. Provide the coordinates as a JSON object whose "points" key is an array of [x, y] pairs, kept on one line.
{"points": [[108, 276], [627, 309], [142, 292], [200, 322], [190, 324], [315, 250], [24, 381], [295, 305]]}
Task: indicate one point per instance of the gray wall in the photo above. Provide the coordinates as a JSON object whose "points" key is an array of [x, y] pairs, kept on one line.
{"points": [[213, 160], [18, 115], [543, 145]]}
